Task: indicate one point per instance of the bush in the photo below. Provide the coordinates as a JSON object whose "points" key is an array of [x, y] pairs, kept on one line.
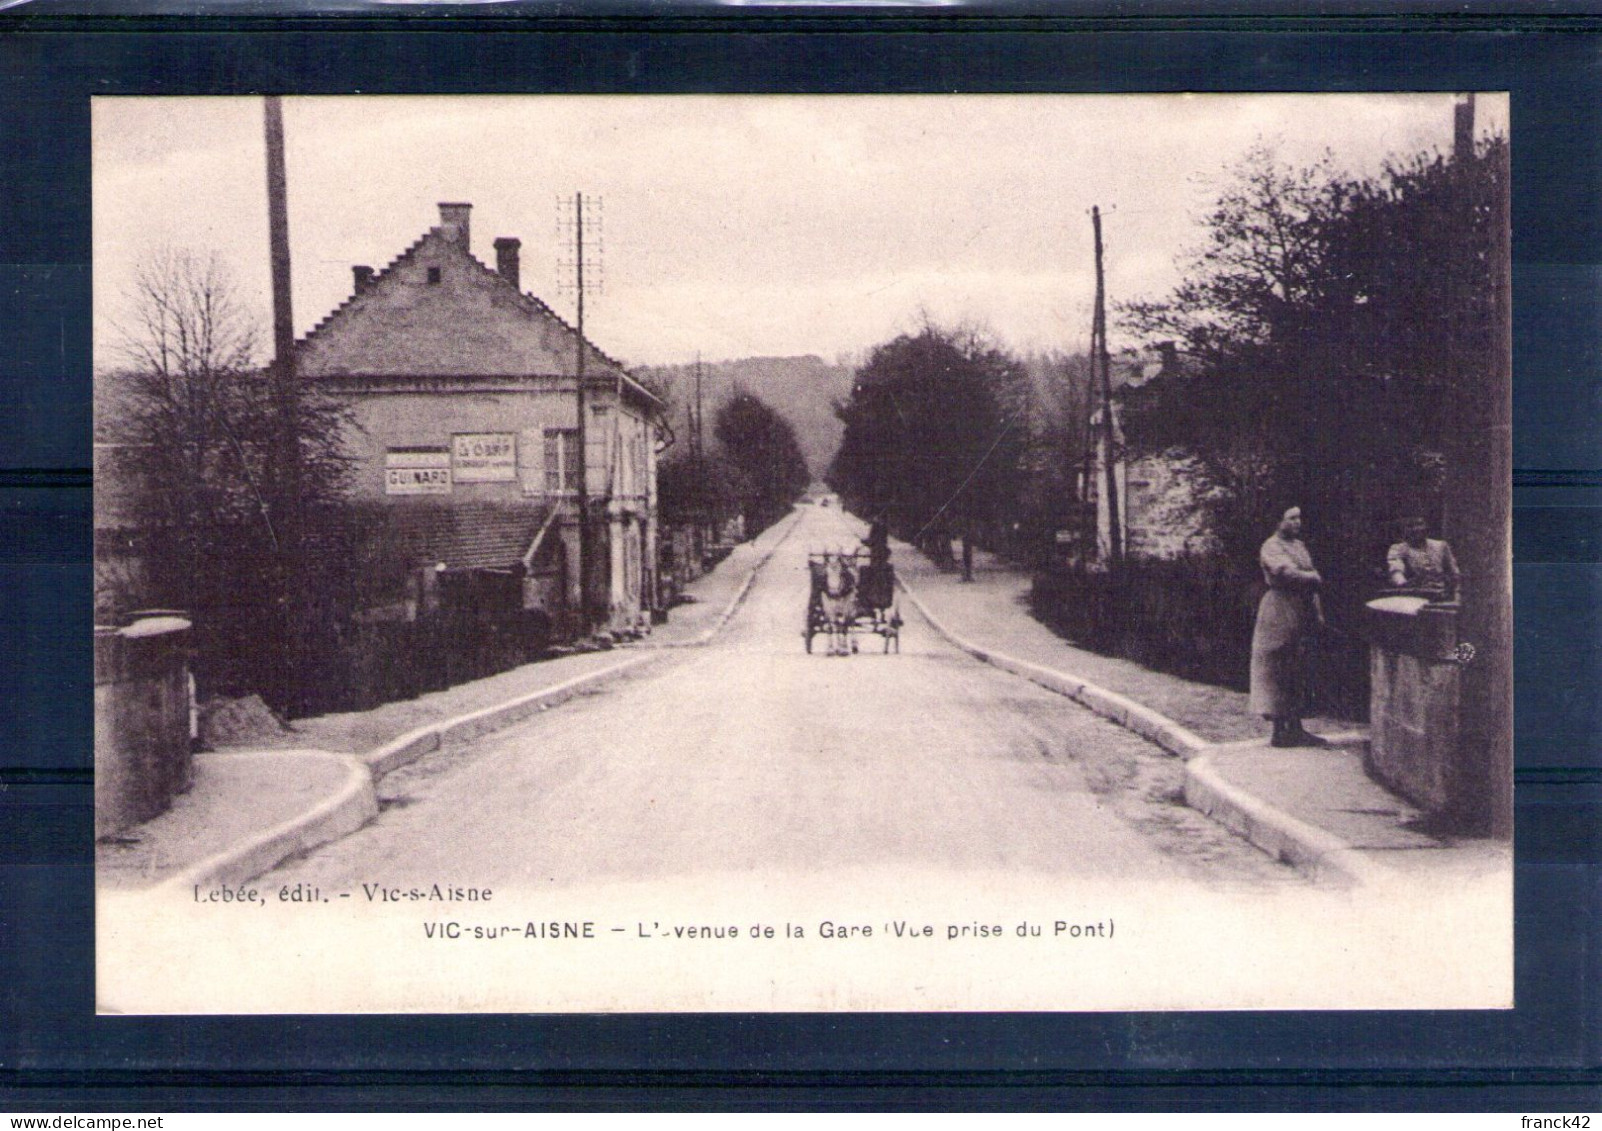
{"points": [[1191, 617]]}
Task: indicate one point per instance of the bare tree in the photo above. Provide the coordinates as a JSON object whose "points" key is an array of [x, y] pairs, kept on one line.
{"points": [[189, 400], [195, 414]]}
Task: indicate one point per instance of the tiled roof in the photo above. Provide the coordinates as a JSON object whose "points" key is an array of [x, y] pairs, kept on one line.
{"points": [[404, 535], [465, 536]]}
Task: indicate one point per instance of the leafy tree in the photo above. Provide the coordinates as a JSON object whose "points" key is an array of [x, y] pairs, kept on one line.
{"points": [[691, 490], [1263, 267], [1342, 339], [1418, 247], [1248, 317], [763, 458], [934, 436], [1331, 325]]}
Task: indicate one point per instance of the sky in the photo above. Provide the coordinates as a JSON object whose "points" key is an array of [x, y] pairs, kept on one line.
{"points": [[731, 226]]}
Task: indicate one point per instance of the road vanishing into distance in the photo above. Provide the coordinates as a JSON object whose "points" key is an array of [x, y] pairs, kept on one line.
{"points": [[751, 755]]}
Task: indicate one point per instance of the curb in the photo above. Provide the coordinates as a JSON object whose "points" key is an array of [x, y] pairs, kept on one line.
{"points": [[414, 744], [356, 801], [1310, 850], [1149, 724], [737, 600], [750, 579], [352, 805], [1305, 847]]}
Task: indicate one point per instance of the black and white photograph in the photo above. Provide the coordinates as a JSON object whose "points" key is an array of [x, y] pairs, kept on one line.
{"points": [[759, 553]]}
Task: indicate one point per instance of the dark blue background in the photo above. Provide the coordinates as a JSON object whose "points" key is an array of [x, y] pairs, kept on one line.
{"points": [[1543, 1056]]}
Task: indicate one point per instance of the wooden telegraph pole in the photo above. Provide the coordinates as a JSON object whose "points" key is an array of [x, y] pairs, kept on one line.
{"points": [[583, 282], [1478, 524], [1101, 357], [702, 506], [700, 440], [584, 541], [284, 479]]}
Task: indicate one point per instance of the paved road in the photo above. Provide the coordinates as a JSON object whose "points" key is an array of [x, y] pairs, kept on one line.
{"points": [[752, 755]]}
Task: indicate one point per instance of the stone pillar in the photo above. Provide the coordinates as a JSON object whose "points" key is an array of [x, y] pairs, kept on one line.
{"points": [[142, 721], [1415, 703]]}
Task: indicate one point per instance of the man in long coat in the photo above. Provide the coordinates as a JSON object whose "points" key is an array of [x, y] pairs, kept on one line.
{"points": [[878, 583], [1288, 614]]}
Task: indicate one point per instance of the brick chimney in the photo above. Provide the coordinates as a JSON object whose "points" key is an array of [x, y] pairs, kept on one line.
{"points": [[1463, 127], [506, 259], [363, 276], [455, 219]]}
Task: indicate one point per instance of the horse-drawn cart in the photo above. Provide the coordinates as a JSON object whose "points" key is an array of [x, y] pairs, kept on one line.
{"points": [[849, 596]]}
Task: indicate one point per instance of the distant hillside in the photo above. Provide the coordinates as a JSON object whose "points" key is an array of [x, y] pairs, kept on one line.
{"points": [[801, 389]]}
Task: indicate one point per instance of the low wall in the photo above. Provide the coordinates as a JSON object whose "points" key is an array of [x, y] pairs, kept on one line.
{"points": [[1415, 692], [142, 752]]}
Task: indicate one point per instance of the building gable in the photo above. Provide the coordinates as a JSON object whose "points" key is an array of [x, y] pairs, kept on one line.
{"points": [[436, 311]]}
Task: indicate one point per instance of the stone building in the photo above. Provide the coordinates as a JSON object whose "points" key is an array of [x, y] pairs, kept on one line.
{"points": [[1161, 499], [466, 439]]}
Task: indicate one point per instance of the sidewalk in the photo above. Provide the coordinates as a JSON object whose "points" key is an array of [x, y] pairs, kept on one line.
{"points": [[1316, 809], [249, 809], [1313, 808]]}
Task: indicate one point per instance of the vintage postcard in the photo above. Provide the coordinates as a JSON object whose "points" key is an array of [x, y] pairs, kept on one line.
{"points": [[779, 553]]}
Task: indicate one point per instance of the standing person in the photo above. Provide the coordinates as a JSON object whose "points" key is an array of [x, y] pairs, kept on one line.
{"points": [[1422, 562], [1287, 615], [877, 586], [878, 541]]}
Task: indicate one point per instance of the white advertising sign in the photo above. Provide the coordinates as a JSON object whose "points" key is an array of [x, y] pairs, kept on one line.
{"points": [[483, 457], [417, 473]]}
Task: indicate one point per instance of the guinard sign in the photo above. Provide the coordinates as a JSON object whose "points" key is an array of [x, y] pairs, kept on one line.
{"points": [[483, 457], [417, 471]]}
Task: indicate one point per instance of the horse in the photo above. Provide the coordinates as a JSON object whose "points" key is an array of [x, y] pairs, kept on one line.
{"points": [[839, 599]]}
